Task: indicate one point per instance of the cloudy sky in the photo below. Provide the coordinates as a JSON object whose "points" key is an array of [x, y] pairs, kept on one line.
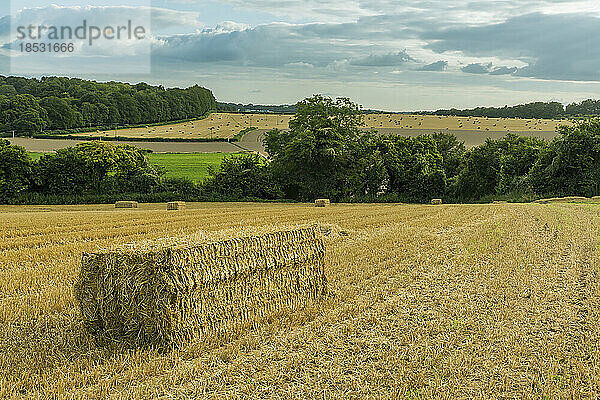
{"points": [[392, 55]]}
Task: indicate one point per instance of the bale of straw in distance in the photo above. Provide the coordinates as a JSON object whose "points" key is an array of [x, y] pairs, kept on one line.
{"points": [[167, 296], [126, 204], [322, 203], [175, 205], [436, 202]]}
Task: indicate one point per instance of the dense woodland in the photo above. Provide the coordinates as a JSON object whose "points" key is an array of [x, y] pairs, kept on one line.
{"points": [[326, 153], [551, 110], [64, 104]]}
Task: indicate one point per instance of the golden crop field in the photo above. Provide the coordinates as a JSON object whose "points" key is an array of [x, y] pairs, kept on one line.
{"points": [[224, 125], [433, 122], [217, 125], [457, 302]]}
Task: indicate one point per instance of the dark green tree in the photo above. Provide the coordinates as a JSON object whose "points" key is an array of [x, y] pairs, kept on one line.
{"points": [[570, 165], [23, 113], [15, 170], [415, 167], [323, 150], [244, 176], [96, 167]]}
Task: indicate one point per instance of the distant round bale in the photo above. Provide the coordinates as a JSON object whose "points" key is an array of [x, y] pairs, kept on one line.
{"points": [[126, 204], [322, 203], [175, 205], [437, 202]]}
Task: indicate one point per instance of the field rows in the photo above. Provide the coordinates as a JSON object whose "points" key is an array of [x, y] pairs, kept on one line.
{"points": [[446, 302]]}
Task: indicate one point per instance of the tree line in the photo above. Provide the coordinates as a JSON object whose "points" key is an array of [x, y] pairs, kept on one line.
{"points": [[60, 104], [325, 153], [543, 110]]}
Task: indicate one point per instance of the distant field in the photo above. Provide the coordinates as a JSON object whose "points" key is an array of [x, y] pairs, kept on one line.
{"points": [[224, 125], [472, 124], [216, 126], [192, 166]]}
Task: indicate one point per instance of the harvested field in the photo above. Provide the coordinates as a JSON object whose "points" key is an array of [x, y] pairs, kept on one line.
{"points": [[217, 125], [474, 301], [227, 125]]}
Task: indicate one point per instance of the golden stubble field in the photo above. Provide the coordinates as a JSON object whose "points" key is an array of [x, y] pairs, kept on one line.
{"points": [[227, 125], [473, 301], [215, 126]]}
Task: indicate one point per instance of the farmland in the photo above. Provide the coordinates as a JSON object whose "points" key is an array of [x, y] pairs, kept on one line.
{"points": [[479, 301], [215, 126], [224, 126]]}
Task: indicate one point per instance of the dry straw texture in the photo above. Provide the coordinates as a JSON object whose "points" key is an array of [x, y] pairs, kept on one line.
{"points": [[126, 204], [436, 202], [164, 296], [322, 203], [465, 302], [176, 205]]}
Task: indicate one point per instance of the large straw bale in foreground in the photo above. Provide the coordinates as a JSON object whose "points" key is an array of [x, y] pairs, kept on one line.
{"points": [[167, 296]]}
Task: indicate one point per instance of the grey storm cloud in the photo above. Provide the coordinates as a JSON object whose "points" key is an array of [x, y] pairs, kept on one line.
{"points": [[277, 44], [477, 68], [383, 60], [265, 45], [436, 66], [558, 46]]}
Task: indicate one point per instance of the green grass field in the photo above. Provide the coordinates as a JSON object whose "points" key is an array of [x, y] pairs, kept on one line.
{"points": [[193, 166]]}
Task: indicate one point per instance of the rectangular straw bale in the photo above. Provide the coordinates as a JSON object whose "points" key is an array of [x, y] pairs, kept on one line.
{"points": [[126, 204], [175, 205], [322, 203], [436, 202], [169, 296]]}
